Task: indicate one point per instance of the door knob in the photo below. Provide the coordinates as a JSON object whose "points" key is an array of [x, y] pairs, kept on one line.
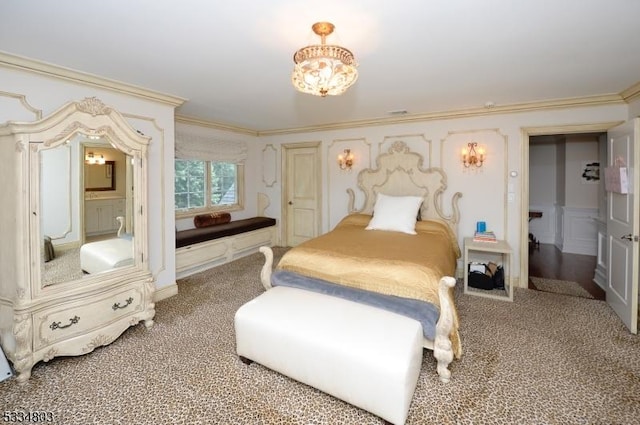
{"points": [[629, 237], [290, 203]]}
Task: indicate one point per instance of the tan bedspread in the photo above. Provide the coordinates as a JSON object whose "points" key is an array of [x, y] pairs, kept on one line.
{"points": [[391, 263]]}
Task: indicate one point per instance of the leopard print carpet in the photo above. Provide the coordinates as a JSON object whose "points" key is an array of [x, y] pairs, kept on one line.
{"points": [[543, 359]]}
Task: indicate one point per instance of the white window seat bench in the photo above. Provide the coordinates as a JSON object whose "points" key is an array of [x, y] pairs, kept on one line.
{"points": [[203, 248]]}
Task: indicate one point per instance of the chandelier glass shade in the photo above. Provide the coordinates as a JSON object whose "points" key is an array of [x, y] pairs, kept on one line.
{"points": [[323, 69]]}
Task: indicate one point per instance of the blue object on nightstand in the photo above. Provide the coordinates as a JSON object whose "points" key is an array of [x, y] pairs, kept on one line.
{"points": [[481, 226]]}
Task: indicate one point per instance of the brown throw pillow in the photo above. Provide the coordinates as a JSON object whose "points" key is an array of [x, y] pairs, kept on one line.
{"points": [[211, 219]]}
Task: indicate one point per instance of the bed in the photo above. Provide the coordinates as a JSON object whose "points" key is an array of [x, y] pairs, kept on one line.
{"points": [[407, 269]]}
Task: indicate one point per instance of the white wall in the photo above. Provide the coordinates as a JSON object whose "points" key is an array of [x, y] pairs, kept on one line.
{"points": [[21, 91], [559, 191], [561, 165], [580, 192], [545, 185], [542, 174], [634, 108], [440, 141]]}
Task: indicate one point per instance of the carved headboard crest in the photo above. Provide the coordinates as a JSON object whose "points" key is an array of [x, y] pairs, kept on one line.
{"points": [[399, 172]]}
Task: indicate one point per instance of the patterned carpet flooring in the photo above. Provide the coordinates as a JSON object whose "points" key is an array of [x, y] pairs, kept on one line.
{"points": [[542, 359]]}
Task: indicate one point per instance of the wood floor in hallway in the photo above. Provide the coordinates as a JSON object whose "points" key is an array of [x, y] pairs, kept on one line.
{"points": [[547, 261]]}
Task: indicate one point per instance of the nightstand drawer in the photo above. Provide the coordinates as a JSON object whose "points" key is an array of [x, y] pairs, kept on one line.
{"points": [[84, 315]]}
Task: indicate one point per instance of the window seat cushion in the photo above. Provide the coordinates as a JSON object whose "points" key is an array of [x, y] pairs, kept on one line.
{"points": [[203, 234]]}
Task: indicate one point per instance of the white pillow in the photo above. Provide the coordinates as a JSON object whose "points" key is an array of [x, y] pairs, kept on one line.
{"points": [[395, 213]]}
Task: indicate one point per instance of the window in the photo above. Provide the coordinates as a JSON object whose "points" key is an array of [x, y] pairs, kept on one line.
{"points": [[202, 186]]}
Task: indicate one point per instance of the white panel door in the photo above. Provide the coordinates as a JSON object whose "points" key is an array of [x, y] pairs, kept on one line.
{"points": [[302, 194], [623, 213]]}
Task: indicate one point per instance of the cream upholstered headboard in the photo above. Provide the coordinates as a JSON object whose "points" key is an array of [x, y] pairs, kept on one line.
{"points": [[399, 172]]}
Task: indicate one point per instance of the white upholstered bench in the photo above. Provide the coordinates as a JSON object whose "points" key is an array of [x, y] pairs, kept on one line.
{"points": [[368, 357]]}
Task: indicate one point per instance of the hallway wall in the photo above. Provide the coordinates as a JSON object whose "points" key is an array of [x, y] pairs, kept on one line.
{"points": [[564, 186]]}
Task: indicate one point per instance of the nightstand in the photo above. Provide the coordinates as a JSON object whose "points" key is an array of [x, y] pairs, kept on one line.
{"points": [[500, 253]]}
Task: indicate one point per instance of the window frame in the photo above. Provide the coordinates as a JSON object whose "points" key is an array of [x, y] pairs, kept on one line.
{"points": [[208, 208]]}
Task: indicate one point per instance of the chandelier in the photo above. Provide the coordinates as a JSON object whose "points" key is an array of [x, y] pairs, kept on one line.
{"points": [[323, 69]]}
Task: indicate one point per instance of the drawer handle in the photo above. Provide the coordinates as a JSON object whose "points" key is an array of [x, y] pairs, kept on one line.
{"points": [[117, 306], [57, 325]]}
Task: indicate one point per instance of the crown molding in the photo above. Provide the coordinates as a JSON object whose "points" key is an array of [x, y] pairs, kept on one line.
{"points": [[19, 62], [570, 128], [607, 99], [631, 93], [215, 125]]}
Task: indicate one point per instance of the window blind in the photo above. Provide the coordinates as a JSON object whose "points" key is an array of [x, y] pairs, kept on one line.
{"points": [[205, 148]]}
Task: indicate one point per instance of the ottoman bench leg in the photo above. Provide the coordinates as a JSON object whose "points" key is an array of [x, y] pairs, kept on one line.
{"points": [[245, 360]]}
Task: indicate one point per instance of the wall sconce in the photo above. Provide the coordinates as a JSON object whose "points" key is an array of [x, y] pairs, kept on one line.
{"points": [[471, 157], [91, 159], [345, 160]]}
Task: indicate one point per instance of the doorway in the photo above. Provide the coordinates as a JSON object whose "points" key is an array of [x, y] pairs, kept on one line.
{"points": [[566, 205], [106, 192], [548, 257], [301, 192]]}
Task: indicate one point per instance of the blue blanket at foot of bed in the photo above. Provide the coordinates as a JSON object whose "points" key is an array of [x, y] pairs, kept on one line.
{"points": [[424, 312]]}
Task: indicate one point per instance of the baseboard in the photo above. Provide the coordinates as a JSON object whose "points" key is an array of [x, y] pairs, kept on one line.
{"points": [[517, 283], [165, 292], [600, 279], [580, 231]]}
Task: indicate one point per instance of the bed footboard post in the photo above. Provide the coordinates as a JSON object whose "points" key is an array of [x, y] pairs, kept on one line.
{"points": [[265, 273], [442, 350]]}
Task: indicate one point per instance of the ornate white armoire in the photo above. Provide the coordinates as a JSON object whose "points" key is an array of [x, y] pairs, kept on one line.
{"points": [[48, 306]]}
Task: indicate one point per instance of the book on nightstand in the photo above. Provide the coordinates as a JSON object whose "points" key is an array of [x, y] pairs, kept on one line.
{"points": [[486, 236]]}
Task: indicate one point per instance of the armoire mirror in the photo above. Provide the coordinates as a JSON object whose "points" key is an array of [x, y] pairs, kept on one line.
{"points": [[86, 209]]}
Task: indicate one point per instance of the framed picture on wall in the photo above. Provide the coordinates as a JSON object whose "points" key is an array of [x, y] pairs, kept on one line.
{"points": [[590, 172]]}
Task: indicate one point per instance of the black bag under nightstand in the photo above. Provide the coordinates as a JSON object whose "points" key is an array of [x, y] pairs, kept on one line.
{"points": [[480, 280]]}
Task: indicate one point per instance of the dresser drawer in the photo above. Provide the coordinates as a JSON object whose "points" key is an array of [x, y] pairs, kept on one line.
{"points": [[84, 315]]}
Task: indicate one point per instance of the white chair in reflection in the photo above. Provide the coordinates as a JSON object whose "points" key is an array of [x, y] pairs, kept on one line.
{"points": [[109, 254]]}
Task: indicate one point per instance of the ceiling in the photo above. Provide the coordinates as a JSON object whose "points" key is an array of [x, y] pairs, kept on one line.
{"points": [[232, 60]]}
